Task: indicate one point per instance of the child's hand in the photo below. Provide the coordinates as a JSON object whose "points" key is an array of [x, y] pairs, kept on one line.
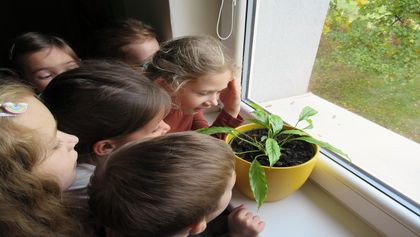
{"points": [[231, 98], [244, 223]]}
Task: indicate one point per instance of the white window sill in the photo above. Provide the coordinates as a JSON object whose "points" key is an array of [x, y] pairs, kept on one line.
{"points": [[310, 211]]}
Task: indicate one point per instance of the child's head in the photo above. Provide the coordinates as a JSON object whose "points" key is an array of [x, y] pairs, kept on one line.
{"points": [[45, 150], [194, 69], [40, 57], [106, 104], [37, 163], [165, 186], [129, 40]]}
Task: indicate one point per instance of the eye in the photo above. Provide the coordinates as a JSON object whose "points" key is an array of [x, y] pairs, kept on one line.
{"points": [[203, 93], [45, 77]]}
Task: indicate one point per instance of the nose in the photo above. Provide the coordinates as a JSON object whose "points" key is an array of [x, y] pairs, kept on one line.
{"points": [[165, 127], [68, 139], [213, 100]]}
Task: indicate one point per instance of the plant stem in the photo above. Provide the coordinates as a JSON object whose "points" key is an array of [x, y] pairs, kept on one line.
{"points": [[244, 152], [255, 144]]}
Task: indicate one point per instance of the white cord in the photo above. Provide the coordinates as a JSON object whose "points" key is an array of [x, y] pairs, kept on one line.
{"points": [[231, 24]]}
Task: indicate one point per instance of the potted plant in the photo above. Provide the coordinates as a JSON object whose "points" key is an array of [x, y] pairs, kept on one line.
{"points": [[273, 159]]}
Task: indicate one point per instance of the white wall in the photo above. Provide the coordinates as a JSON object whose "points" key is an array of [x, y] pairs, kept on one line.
{"points": [[286, 42], [193, 17]]}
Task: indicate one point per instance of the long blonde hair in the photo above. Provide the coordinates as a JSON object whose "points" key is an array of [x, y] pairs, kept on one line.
{"points": [[188, 58], [30, 205]]}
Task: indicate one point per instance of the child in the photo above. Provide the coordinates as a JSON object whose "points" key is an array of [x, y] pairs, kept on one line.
{"points": [[129, 40], [41, 57], [106, 104], [196, 72], [37, 163], [168, 186]]}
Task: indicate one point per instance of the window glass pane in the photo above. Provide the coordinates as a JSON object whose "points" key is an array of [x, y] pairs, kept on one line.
{"points": [[368, 62]]}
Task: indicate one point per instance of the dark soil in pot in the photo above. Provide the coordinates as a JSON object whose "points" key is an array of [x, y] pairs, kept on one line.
{"points": [[293, 153]]}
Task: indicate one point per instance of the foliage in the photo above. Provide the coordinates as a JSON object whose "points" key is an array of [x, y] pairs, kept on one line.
{"points": [[378, 36], [268, 147]]}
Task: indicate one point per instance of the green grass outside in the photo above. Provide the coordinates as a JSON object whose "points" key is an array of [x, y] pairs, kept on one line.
{"points": [[392, 104]]}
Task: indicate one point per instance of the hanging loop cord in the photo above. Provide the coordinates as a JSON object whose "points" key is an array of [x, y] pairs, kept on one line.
{"points": [[231, 22]]}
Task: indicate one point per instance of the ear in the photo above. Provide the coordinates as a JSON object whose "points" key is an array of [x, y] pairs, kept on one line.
{"points": [[198, 227], [103, 147]]}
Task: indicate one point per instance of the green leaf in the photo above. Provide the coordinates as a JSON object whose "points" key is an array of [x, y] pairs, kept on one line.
{"points": [[272, 150], [323, 144], [257, 121], [310, 125], [306, 113], [262, 117], [255, 106], [258, 182], [215, 130], [276, 123], [294, 132]]}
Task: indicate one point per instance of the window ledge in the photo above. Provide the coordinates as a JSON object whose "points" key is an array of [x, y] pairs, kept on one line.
{"points": [[310, 211]]}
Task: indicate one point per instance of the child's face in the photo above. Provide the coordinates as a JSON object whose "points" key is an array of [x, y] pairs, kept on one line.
{"points": [[202, 93], [42, 66], [224, 200], [154, 128], [60, 159], [137, 52]]}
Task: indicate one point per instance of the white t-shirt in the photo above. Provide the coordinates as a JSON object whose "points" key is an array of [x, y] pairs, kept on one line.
{"points": [[79, 187]]}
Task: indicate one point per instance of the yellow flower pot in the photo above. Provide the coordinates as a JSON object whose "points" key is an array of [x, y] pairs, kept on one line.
{"points": [[282, 181]]}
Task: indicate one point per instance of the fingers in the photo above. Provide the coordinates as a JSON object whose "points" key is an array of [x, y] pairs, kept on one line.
{"points": [[244, 222], [231, 98]]}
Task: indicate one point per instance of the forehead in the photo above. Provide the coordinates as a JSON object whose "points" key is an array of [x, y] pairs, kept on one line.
{"points": [[38, 118], [215, 81], [48, 57]]}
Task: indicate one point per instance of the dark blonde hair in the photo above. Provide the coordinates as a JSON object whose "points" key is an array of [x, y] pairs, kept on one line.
{"points": [[120, 33], [188, 58], [103, 100], [30, 205], [160, 186], [31, 42]]}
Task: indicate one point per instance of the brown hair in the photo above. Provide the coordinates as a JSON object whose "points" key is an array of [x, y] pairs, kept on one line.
{"points": [[30, 205], [160, 186], [103, 100], [34, 41], [188, 58], [120, 33]]}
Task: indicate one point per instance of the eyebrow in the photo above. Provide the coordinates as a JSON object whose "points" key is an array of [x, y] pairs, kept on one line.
{"points": [[48, 68]]}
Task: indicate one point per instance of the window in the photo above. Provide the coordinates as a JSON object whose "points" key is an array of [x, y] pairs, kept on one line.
{"points": [[281, 43]]}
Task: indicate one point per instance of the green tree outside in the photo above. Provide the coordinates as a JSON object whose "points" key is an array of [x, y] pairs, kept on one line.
{"points": [[368, 62]]}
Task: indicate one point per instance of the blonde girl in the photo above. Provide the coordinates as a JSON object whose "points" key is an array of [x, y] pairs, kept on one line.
{"points": [[37, 163], [197, 72]]}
